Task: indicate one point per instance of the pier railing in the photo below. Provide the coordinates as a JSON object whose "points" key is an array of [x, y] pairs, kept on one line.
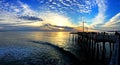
{"points": [[96, 44]]}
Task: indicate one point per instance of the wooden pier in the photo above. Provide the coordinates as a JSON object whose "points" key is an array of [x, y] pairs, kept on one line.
{"points": [[114, 58], [96, 45]]}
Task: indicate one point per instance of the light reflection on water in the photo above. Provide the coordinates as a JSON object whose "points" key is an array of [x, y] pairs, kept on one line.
{"points": [[23, 43], [59, 38], [21, 46]]}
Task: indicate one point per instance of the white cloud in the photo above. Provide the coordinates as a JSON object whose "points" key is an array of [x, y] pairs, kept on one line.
{"points": [[26, 9], [51, 18], [80, 6], [113, 23], [64, 2], [99, 18], [10, 13], [56, 19]]}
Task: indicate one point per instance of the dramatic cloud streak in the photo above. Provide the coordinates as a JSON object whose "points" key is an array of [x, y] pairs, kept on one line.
{"points": [[99, 18], [113, 23]]}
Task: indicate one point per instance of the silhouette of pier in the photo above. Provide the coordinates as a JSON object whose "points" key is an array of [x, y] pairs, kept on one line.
{"points": [[102, 48]]}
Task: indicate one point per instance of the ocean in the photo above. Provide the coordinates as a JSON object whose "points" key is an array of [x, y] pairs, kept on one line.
{"points": [[48, 48], [36, 48]]}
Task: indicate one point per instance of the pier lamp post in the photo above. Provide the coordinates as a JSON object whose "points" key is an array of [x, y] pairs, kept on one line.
{"points": [[83, 25], [83, 22], [87, 29]]}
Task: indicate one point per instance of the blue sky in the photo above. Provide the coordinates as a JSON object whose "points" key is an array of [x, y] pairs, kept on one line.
{"points": [[99, 15]]}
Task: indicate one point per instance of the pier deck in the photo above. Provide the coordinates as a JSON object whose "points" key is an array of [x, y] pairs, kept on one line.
{"points": [[96, 44]]}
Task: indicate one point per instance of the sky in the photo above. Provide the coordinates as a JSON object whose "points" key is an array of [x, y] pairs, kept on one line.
{"points": [[60, 15]]}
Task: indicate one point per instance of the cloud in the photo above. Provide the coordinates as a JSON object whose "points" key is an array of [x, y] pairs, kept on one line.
{"points": [[56, 19], [17, 12], [79, 6], [26, 9], [1, 27], [32, 18], [49, 18], [50, 27], [45, 27], [99, 18], [113, 23], [20, 14], [1, 19]]}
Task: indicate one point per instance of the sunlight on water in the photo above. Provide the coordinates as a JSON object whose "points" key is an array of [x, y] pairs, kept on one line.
{"points": [[57, 38], [48, 46], [19, 47]]}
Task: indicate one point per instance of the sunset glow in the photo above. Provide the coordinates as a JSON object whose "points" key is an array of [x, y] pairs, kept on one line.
{"points": [[100, 15], [59, 32]]}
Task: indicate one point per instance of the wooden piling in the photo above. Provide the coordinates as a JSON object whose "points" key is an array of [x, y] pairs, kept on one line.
{"points": [[95, 44]]}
